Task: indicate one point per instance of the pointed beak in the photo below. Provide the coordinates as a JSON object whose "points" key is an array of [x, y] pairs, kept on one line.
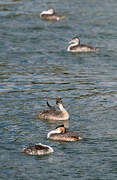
{"points": [[70, 42]]}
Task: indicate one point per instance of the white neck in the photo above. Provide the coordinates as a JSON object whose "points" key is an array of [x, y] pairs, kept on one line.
{"points": [[53, 132], [72, 45], [64, 112], [62, 108]]}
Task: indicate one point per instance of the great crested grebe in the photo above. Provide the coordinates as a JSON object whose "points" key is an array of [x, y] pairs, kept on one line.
{"points": [[60, 133], [53, 114], [38, 149], [51, 15], [75, 46]]}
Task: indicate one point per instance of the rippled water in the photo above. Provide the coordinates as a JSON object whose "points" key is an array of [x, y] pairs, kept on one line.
{"points": [[35, 66]]}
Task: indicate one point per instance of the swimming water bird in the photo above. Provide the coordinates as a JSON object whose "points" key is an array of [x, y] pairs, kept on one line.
{"points": [[75, 46], [60, 133], [51, 15], [53, 114], [38, 149]]}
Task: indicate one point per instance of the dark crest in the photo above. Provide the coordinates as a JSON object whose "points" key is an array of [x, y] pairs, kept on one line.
{"points": [[75, 37], [59, 101], [62, 125]]}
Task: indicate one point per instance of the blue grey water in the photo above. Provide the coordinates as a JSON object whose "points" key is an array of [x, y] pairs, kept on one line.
{"points": [[35, 66]]}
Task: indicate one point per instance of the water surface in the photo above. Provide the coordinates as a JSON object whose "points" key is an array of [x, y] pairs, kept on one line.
{"points": [[35, 67]]}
